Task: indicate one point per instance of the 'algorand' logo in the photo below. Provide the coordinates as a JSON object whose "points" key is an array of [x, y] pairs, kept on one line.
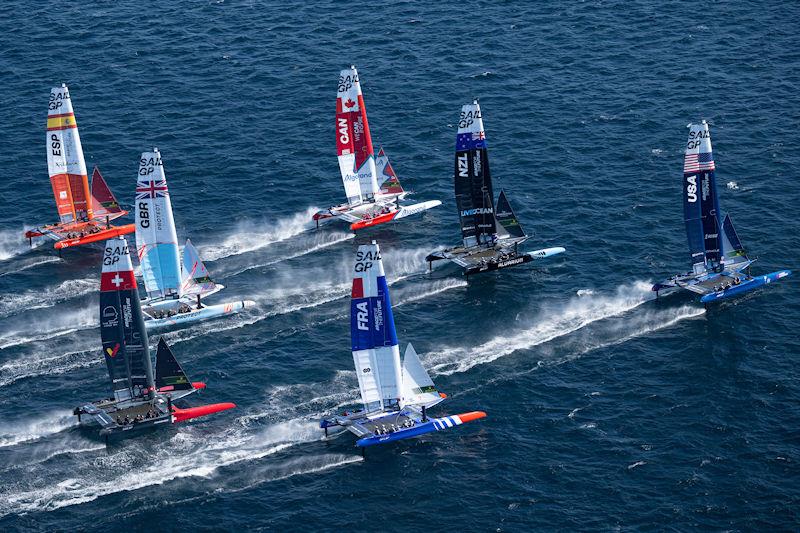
{"points": [[477, 211]]}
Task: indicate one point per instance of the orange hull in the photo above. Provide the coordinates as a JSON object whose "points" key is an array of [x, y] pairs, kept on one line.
{"points": [[361, 224], [101, 235]]}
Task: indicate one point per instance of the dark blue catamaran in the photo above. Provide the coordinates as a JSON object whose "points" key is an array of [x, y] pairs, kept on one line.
{"points": [[720, 265]]}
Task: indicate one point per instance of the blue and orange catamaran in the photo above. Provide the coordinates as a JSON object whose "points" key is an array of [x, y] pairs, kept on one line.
{"points": [[396, 395], [720, 265], [85, 213]]}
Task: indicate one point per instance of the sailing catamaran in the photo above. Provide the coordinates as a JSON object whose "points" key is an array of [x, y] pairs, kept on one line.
{"points": [[720, 265], [491, 233], [371, 185], [85, 214], [174, 285], [141, 399], [395, 395]]}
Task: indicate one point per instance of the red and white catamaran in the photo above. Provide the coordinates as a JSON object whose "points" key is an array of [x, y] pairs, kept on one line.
{"points": [[85, 213], [371, 185]]}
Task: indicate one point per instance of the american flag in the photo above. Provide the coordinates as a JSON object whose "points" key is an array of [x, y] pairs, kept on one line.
{"points": [[151, 189], [698, 162]]}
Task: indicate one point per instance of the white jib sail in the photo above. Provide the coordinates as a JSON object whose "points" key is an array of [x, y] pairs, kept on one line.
{"points": [[418, 387], [353, 140], [156, 240], [374, 341], [196, 280]]}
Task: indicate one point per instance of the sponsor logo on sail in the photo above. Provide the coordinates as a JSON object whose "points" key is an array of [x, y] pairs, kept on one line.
{"points": [[113, 254], [110, 316], [477, 211]]}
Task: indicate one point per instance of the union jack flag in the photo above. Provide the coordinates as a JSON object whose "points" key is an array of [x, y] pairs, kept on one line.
{"points": [[478, 136], [151, 189], [698, 162]]}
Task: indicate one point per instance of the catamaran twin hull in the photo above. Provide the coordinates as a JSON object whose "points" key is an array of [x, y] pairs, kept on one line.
{"points": [[720, 265], [369, 215], [389, 426], [164, 318], [69, 235], [479, 259]]}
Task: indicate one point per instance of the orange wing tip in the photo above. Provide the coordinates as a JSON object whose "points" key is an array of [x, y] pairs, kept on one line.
{"points": [[472, 415], [442, 395]]}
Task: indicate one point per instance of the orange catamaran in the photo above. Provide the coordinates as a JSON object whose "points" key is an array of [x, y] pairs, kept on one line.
{"points": [[85, 213]]}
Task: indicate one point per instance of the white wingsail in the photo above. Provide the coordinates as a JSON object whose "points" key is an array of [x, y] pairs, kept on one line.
{"points": [[196, 281], [156, 240], [373, 337], [65, 162], [353, 140], [418, 387]]}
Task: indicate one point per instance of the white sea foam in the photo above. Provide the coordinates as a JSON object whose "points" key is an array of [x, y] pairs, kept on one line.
{"points": [[187, 455], [251, 235], [14, 433], [550, 324], [320, 242], [25, 264], [46, 297], [12, 243], [50, 327]]}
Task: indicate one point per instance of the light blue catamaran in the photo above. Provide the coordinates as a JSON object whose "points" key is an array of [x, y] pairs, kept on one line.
{"points": [[175, 284], [720, 265]]}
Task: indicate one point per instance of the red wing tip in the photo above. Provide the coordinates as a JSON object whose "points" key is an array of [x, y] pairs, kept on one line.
{"points": [[472, 415], [198, 385]]}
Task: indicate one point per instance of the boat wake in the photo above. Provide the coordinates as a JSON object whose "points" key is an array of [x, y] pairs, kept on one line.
{"points": [[550, 324], [24, 264], [13, 433], [48, 297], [320, 242], [49, 328], [145, 464], [250, 236], [12, 243]]}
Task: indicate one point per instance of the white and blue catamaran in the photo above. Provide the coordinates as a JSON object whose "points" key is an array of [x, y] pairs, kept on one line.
{"points": [[175, 285], [395, 394], [491, 232], [720, 265]]}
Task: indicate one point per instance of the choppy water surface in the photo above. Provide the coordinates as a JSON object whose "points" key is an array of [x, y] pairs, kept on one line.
{"points": [[607, 409]]}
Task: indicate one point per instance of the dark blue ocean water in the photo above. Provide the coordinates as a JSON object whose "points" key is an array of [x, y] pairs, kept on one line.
{"points": [[607, 409]]}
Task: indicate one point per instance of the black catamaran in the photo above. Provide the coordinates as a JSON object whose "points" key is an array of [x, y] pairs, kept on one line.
{"points": [[720, 265], [491, 232], [141, 398]]}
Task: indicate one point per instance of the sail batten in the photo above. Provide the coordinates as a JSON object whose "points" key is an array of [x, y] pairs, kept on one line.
{"points": [[156, 239], [65, 162], [473, 181]]}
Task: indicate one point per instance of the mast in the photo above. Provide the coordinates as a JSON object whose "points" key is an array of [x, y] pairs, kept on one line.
{"points": [[122, 327], [353, 140], [700, 201], [65, 162], [376, 353], [473, 181], [156, 240]]}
